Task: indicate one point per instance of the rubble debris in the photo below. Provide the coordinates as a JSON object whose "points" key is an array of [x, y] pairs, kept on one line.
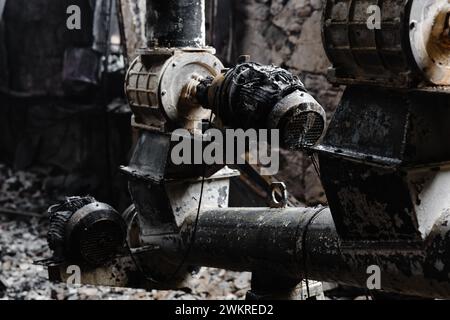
{"points": [[23, 192], [23, 241]]}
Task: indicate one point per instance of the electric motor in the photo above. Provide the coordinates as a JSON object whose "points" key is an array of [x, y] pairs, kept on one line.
{"points": [[84, 230], [393, 43], [257, 96]]}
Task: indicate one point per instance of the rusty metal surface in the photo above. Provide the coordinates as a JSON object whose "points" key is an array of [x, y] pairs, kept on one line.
{"points": [[368, 203], [384, 163], [390, 128]]}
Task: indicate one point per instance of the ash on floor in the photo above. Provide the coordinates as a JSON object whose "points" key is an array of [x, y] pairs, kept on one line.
{"points": [[23, 242]]}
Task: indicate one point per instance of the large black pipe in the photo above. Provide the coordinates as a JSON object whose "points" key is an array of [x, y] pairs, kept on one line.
{"points": [[176, 23], [302, 243]]}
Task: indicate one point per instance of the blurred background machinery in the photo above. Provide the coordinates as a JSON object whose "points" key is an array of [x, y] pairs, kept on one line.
{"points": [[62, 111]]}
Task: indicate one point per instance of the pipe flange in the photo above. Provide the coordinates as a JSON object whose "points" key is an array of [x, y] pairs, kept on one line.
{"points": [[176, 77]]}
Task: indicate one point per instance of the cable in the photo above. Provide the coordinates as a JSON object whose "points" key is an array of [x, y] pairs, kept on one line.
{"points": [[316, 168], [315, 164], [191, 242], [304, 251], [138, 266]]}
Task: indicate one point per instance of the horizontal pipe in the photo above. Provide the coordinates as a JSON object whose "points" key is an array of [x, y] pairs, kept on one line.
{"points": [[300, 243], [246, 239]]}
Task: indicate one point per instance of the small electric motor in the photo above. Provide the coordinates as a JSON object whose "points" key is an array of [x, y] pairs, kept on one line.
{"points": [[84, 230]]}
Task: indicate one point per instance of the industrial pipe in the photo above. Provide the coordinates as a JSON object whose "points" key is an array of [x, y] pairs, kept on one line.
{"points": [[299, 243], [176, 23]]}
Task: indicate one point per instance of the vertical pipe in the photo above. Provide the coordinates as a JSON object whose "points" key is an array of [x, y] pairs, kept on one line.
{"points": [[176, 23]]}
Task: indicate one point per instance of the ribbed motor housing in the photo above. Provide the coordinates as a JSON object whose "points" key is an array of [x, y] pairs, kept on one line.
{"points": [[395, 43], [84, 230]]}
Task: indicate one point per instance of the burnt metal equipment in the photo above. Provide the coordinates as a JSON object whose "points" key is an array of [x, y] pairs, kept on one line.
{"points": [[393, 43], [384, 162], [85, 230], [264, 97], [176, 23]]}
